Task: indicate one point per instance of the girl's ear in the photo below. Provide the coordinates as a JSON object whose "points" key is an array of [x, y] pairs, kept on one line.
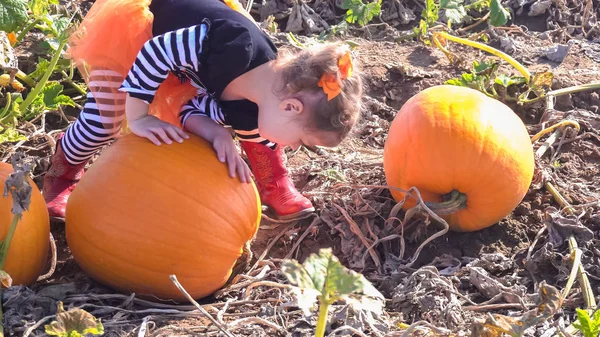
{"points": [[292, 106]]}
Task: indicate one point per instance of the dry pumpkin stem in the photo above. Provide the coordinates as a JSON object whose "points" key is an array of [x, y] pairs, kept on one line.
{"points": [[553, 137], [549, 129], [452, 203], [53, 260], [421, 206], [584, 283], [198, 306], [577, 269], [316, 221]]}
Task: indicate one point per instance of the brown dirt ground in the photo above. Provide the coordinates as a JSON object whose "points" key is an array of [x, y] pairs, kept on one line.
{"points": [[395, 72]]}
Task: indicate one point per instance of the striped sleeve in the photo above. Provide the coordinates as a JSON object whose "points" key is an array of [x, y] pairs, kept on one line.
{"points": [[254, 137], [202, 105], [161, 54]]}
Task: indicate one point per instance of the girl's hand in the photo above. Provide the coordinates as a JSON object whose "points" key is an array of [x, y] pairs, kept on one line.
{"points": [[227, 152], [156, 130]]}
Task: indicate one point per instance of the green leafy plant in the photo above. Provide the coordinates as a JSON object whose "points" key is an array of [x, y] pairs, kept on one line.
{"points": [[359, 12], [74, 323], [498, 14], [32, 14], [484, 77], [45, 94], [322, 277], [457, 12], [429, 17], [536, 87], [13, 14], [588, 325]]}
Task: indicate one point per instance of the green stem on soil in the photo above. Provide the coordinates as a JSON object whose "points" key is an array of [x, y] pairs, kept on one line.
{"points": [[73, 84], [26, 30], [4, 112], [25, 78], [558, 127], [452, 203], [322, 322], [555, 126], [488, 49], [40, 85], [564, 91]]}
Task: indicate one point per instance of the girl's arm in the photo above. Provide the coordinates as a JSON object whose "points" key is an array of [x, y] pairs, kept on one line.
{"points": [[135, 108], [144, 125], [222, 141]]}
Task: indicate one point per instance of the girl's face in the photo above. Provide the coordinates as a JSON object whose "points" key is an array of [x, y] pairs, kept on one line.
{"points": [[285, 123]]}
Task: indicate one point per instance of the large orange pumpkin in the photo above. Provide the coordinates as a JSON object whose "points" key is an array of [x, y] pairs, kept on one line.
{"points": [[449, 138], [28, 252], [142, 212]]}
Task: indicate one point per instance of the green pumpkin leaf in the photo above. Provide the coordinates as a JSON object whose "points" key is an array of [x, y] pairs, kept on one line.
{"points": [[63, 100], [454, 10], [13, 14], [50, 93], [455, 81], [484, 67], [10, 135], [506, 81], [72, 323], [431, 12], [323, 276], [588, 325], [42, 66], [39, 7], [358, 12], [498, 14]]}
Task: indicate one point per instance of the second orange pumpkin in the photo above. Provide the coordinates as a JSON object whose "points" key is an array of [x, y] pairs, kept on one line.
{"points": [[449, 138], [28, 251]]}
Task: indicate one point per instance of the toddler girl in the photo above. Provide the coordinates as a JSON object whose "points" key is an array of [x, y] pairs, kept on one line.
{"points": [[168, 67]]}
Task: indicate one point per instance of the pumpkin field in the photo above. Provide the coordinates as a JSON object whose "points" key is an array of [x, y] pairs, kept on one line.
{"points": [[466, 201]]}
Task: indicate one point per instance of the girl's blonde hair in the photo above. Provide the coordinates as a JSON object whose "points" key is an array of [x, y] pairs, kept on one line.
{"points": [[301, 71]]}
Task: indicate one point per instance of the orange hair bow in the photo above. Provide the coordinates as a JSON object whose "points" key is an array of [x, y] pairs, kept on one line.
{"points": [[330, 84]]}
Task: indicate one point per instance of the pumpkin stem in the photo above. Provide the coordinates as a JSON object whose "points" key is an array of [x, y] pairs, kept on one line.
{"points": [[451, 203]]}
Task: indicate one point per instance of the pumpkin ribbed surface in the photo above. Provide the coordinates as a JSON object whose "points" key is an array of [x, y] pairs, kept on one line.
{"points": [[142, 212], [28, 252], [449, 138]]}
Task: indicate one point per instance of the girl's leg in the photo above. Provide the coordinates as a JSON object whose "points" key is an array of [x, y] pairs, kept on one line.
{"points": [[98, 123]]}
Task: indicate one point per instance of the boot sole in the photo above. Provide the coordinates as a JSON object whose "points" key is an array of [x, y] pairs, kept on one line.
{"points": [[296, 215]]}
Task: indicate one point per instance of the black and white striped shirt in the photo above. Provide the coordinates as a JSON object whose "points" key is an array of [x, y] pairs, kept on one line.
{"points": [[208, 44]]}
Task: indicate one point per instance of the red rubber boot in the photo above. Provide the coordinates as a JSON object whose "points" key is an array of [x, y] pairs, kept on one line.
{"points": [[275, 187], [59, 182]]}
